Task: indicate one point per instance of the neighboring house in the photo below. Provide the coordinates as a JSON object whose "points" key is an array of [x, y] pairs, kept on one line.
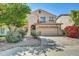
{"points": [[65, 19], [44, 22]]}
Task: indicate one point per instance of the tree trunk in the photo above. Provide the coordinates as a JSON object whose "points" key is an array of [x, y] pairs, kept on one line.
{"points": [[9, 28], [12, 28], [15, 29]]}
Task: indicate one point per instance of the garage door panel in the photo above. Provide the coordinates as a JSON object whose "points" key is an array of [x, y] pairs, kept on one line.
{"points": [[48, 31]]}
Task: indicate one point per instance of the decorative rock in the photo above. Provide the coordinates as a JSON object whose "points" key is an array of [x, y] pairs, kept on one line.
{"points": [[34, 54], [28, 54], [42, 54], [20, 54], [35, 51], [30, 49]]}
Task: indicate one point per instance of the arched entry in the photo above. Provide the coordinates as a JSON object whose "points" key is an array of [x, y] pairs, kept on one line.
{"points": [[33, 27], [33, 30]]}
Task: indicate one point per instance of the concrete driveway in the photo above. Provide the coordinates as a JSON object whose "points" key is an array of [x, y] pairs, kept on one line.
{"points": [[62, 40], [71, 46]]}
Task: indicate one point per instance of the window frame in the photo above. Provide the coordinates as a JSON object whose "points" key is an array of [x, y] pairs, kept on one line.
{"points": [[51, 18], [42, 19]]}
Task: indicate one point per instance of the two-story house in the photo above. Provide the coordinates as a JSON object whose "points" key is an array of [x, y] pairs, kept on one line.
{"points": [[45, 22]]}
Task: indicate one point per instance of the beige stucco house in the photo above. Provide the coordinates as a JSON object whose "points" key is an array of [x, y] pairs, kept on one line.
{"points": [[44, 22], [65, 19]]}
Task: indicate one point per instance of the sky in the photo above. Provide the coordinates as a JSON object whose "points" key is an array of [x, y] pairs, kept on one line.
{"points": [[55, 8]]}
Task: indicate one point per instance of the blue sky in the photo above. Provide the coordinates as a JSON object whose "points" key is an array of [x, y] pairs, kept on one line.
{"points": [[55, 8]]}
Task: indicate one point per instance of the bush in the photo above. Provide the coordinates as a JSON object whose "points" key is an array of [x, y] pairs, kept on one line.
{"points": [[22, 32], [72, 31], [13, 37], [35, 34]]}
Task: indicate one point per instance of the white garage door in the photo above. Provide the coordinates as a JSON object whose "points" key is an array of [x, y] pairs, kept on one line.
{"points": [[48, 30]]}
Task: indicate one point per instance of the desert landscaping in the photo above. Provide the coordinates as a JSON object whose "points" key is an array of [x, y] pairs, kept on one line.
{"points": [[24, 32]]}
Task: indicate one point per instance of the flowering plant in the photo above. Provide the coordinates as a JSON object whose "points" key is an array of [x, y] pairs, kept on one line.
{"points": [[72, 31]]}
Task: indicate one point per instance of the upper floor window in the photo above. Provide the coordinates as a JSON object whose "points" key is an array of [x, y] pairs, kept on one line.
{"points": [[51, 19], [42, 19]]}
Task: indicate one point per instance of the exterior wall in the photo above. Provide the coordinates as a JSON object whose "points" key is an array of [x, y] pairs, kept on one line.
{"points": [[49, 30], [34, 17], [66, 20]]}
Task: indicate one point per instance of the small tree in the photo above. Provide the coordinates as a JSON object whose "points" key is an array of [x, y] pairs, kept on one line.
{"points": [[75, 16], [14, 14]]}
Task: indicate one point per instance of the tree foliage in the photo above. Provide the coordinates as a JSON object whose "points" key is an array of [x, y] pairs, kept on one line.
{"points": [[75, 16], [14, 14]]}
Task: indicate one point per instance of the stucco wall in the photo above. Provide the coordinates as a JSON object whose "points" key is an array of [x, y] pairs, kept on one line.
{"points": [[49, 30], [66, 20], [34, 17]]}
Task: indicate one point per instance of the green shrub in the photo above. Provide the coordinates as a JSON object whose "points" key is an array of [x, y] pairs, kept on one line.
{"points": [[22, 32], [35, 34], [13, 37]]}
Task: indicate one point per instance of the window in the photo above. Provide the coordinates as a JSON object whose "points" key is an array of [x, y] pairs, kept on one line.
{"points": [[51, 19], [42, 19]]}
